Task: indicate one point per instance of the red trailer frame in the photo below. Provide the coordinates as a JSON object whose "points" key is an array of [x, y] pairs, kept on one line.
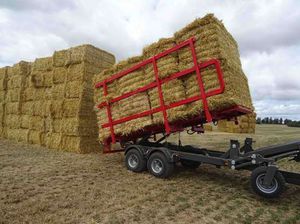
{"points": [[180, 124]]}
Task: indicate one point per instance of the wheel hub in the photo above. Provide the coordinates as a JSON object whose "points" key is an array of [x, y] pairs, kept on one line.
{"points": [[133, 161], [157, 166], [266, 189]]}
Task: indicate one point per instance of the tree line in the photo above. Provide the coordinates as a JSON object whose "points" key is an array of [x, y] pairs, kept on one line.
{"points": [[280, 121]]}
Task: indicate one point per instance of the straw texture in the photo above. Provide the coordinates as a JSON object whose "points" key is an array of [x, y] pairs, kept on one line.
{"points": [[50, 101], [212, 41]]}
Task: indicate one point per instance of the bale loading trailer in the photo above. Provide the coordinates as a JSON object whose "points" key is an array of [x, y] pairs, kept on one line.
{"points": [[144, 151]]}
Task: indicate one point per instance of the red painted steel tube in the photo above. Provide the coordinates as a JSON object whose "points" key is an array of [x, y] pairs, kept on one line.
{"points": [[108, 112], [200, 83], [161, 97]]}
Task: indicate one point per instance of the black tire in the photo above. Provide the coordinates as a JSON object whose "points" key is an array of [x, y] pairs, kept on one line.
{"points": [[134, 161], [190, 164], [275, 190], [158, 165]]}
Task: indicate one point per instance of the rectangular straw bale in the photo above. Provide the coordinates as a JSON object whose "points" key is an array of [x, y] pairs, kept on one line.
{"points": [[58, 91], [13, 95], [13, 134], [37, 123], [88, 54], [82, 72], [60, 58], [79, 144], [166, 65], [135, 79], [56, 108], [132, 105], [59, 75], [12, 121], [53, 140], [48, 93], [27, 107], [3, 78], [25, 121], [12, 108], [70, 107], [3, 132], [39, 94], [21, 69], [36, 137], [41, 108], [78, 127], [37, 79], [2, 96], [14, 82], [28, 94], [74, 89], [23, 135], [56, 125], [42, 65], [2, 111], [47, 124]]}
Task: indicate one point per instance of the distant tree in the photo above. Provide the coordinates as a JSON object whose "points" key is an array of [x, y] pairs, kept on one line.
{"points": [[286, 121], [270, 120], [293, 124], [280, 120], [258, 120], [266, 120], [276, 121]]}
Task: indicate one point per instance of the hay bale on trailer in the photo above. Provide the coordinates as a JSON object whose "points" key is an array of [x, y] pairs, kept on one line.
{"points": [[212, 41]]}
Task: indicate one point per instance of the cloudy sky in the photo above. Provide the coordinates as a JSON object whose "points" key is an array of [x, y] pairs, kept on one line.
{"points": [[268, 34]]}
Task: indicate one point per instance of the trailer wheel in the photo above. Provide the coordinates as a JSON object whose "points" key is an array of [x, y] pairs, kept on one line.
{"points": [[134, 161], [276, 188], [189, 164], [158, 165]]}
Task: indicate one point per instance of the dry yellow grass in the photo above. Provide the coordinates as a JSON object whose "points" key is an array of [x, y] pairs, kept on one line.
{"points": [[43, 186]]}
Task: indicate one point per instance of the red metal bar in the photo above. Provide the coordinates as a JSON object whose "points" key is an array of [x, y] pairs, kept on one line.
{"points": [[143, 63], [200, 83], [108, 112], [172, 105], [161, 97]]}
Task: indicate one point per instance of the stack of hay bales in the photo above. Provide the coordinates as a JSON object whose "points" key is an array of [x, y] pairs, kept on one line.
{"points": [[245, 124], [50, 102], [3, 84], [173, 91], [212, 42], [78, 120], [16, 76]]}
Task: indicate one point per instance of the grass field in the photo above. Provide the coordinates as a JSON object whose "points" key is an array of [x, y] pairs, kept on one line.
{"points": [[42, 186]]}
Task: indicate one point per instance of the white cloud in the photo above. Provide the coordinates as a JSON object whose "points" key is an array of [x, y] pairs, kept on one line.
{"points": [[268, 33]]}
